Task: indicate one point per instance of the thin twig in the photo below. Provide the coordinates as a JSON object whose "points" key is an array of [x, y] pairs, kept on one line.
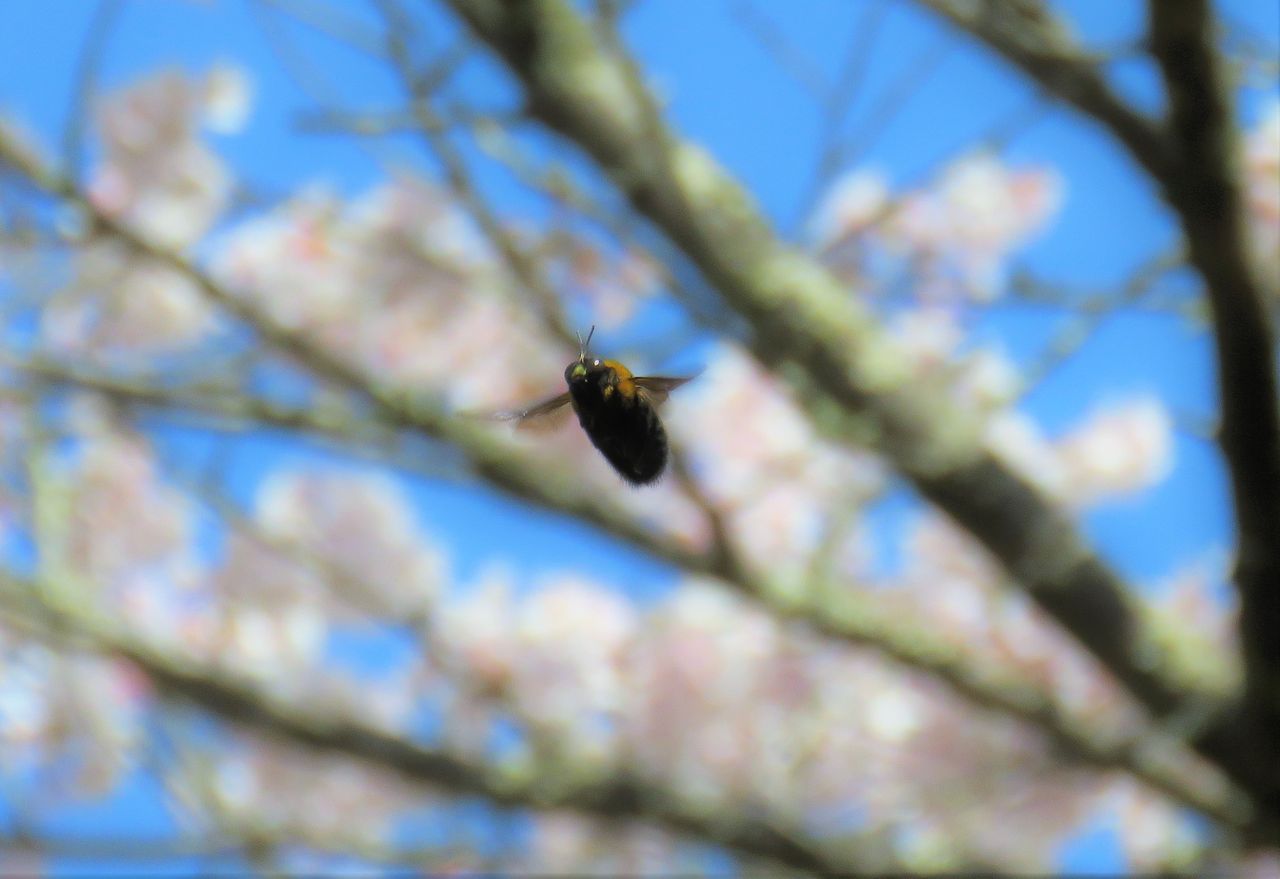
{"points": [[88, 66]]}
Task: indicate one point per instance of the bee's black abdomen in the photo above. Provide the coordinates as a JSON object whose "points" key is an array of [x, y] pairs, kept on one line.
{"points": [[627, 432], [638, 453]]}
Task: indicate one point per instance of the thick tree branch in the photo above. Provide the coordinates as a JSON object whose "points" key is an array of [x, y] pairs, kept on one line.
{"points": [[1194, 158], [803, 316], [1205, 190]]}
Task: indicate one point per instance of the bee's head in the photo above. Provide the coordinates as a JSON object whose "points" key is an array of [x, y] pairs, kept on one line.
{"points": [[584, 369]]}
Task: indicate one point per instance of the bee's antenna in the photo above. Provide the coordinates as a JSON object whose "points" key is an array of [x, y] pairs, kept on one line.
{"points": [[582, 346]]}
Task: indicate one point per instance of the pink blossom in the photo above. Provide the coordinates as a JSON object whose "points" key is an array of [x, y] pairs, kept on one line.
{"points": [[120, 304], [397, 283], [54, 707], [363, 527], [1154, 833], [572, 636], [123, 517], [1019, 442], [853, 201], [474, 630], [259, 783], [1262, 193], [1121, 448], [228, 98], [928, 337], [955, 235], [156, 174]]}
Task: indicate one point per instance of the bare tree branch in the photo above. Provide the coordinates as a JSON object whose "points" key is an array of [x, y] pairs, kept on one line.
{"points": [[101, 26], [837, 102], [1091, 313], [1194, 158], [792, 59], [350, 429], [1205, 189], [1026, 33]]}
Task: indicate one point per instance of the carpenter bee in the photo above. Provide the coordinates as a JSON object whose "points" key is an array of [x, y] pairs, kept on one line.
{"points": [[617, 410]]}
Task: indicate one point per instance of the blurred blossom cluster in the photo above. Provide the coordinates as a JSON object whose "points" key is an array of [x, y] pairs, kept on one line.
{"points": [[612, 285], [156, 175], [1208, 652], [262, 787], [361, 529], [566, 841], [533, 650], [321, 550], [931, 340], [952, 240], [712, 695], [398, 282], [951, 588], [724, 704], [952, 237], [125, 530], [1119, 448], [318, 548], [122, 305], [759, 458], [1262, 192], [70, 723]]}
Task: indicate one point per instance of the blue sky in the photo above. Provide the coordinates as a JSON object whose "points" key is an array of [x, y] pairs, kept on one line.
{"points": [[726, 93]]}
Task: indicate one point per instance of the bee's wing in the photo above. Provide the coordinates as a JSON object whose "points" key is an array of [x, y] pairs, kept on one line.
{"points": [[547, 414], [656, 388]]}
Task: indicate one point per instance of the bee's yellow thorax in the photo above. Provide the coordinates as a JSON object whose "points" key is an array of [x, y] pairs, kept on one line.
{"points": [[623, 383]]}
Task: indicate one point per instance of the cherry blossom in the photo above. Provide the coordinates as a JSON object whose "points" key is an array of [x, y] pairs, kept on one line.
{"points": [[612, 284], [127, 532], [158, 177], [120, 304], [156, 174], [228, 98], [1262, 192], [58, 707], [757, 456], [363, 527], [720, 699], [852, 203], [1120, 448], [955, 234], [259, 785], [399, 283]]}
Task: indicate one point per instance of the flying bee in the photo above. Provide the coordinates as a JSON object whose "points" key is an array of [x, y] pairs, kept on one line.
{"points": [[617, 410]]}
